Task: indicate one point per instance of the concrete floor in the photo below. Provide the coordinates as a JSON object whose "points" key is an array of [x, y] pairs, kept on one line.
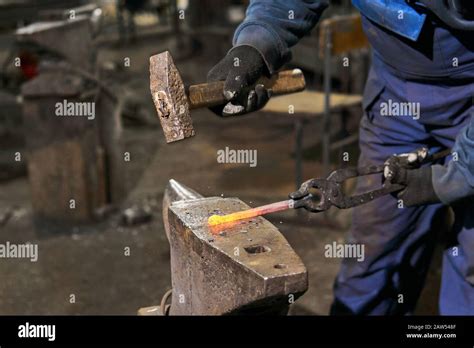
{"points": [[89, 262]]}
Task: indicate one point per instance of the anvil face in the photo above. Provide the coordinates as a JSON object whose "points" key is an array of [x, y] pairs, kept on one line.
{"points": [[246, 265]]}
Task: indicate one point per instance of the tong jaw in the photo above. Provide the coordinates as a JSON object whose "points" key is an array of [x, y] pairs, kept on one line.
{"points": [[332, 193]]}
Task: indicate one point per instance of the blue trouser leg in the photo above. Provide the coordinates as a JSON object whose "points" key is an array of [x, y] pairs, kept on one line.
{"points": [[399, 241], [457, 284], [398, 247]]}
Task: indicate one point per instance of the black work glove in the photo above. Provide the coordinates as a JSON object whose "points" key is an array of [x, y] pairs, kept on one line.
{"points": [[403, 170], [240, 69]]}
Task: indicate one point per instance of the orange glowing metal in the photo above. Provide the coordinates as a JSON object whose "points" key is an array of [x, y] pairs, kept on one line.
{"points": [[250, 213]]}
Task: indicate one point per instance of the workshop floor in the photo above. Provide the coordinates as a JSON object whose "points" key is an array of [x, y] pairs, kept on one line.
{"points": [[90, 263]]}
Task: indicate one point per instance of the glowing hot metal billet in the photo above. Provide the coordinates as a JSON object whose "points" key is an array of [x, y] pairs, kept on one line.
{"points": [[215, 220]]}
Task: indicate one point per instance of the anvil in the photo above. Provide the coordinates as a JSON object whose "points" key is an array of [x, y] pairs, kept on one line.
{"points": [[246, 268]]}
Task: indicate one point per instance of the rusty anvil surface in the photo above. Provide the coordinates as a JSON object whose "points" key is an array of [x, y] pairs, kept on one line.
{"points": [[245, 268]]}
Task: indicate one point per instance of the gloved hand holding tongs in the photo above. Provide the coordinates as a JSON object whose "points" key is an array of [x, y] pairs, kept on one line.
{"points": [[402, 174]]}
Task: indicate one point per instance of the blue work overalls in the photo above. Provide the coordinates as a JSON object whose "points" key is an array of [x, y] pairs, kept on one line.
{"points": [[399, 241], [415, 60]]}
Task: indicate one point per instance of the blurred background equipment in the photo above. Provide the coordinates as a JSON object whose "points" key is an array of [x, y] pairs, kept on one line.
{"points": [[74, 163]]}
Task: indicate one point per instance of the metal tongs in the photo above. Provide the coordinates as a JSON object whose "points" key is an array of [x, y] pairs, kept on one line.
{"points": [[331, 193]]}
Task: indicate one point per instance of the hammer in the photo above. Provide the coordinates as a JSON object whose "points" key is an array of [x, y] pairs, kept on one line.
{"points": [[173, 101]]}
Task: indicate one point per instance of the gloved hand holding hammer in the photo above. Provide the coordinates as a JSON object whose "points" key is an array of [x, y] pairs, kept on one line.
{"points": [[240, 69]]}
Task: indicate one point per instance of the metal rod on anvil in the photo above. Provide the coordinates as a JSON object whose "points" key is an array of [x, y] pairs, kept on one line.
{"points": [[251, 213]]}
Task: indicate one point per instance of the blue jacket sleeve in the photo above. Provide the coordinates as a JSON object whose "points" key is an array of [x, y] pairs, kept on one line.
{"points": [[455, 181], [273, 26]]}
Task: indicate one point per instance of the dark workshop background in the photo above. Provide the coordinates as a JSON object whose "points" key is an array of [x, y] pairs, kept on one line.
{"points": [[88, 260]]}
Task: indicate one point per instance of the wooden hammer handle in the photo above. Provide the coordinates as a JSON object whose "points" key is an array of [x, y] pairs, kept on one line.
{"points": [[211, 94]]}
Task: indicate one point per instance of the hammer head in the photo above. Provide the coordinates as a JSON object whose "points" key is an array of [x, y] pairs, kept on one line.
{"points": [[169, 95]]}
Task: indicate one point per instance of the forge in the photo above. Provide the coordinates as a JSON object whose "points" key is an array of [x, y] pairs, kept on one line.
{"points": [[247, 267]]}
